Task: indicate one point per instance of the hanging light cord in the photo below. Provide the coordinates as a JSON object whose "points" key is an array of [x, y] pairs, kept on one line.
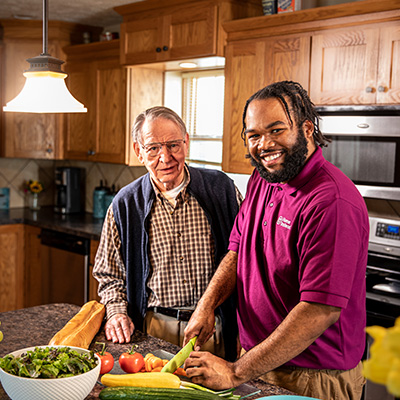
{"points": [[45, 26]]}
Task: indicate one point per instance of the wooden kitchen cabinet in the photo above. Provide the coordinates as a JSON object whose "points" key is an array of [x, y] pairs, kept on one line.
{"points": [[337, 53], [27, 135], [265, 61], [155, 31], [359, 65], [11, 267], [113, 95]]}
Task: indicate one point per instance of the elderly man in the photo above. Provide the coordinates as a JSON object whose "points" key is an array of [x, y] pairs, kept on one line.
{"points": [[163, 237], [297, 260]]}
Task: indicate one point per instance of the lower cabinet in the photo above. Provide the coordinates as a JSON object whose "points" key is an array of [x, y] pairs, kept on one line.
{"points": [[12, 290], [32, 274]]}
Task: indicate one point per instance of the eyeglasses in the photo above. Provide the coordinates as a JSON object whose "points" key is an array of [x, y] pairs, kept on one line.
{"points": [[154, 149]]}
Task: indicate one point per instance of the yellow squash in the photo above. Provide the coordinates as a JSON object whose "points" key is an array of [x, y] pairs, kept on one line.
{"points": [[142, 379]]}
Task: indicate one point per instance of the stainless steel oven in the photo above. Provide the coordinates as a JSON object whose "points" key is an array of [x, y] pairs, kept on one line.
{"points": [[383, 275], [365, 146]]}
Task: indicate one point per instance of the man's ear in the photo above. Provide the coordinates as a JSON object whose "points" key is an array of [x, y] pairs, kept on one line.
{"points": [[136, 148], [308, 128]]}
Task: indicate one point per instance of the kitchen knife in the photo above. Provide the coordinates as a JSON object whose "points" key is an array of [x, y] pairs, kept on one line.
{"points": [[180, 357]]}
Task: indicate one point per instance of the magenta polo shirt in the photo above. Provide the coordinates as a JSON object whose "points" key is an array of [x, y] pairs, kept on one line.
{"points": [[306, 240]]}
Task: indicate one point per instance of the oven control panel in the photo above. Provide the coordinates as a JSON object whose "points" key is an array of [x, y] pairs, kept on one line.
{"points": [[384, 235], [390, 231]]}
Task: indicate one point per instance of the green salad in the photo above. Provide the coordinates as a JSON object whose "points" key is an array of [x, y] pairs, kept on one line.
{"points": [[49, 362]]}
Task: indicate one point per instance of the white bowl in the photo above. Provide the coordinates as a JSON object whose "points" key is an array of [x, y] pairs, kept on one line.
{"points": [[71, 388]]}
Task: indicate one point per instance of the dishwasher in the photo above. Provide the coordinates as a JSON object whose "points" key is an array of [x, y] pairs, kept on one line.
{"points": [[67, 258]]}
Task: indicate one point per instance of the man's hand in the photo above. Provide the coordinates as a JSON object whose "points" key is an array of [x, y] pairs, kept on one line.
{"points": [[119, 328], [211, 371], [202, 325]]}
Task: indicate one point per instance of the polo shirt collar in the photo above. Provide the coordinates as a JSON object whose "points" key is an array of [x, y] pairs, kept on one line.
{"points": [[311, 167]]}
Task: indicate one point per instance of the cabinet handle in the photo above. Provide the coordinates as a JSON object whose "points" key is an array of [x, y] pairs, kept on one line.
{"points": [[381, 89], [49, 150], [158, 49], [369, 89], [91, 152], [165, 48]]}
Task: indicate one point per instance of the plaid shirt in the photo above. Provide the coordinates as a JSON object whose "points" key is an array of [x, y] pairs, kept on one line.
{"points": [[181, 255]]}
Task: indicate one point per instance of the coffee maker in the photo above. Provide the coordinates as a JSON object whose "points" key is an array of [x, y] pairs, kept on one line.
{"points": [[70, 190]]}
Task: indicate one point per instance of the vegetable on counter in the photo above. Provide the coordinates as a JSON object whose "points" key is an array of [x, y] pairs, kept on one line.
{"points": [[180, 357], [1, 334], [142, 379], [106, 358], [49, 362], [151, 362], [81, 329], [135, 393], [131, 361]]}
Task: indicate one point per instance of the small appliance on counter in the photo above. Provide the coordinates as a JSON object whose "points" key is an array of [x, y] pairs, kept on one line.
{"points": [[99, 200], [70, 190]]}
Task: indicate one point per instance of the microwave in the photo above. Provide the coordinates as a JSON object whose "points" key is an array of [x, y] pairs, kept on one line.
{"points": [[365, 145]]}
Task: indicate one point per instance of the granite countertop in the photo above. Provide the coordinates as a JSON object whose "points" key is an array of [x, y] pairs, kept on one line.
{"points": [[82, 224], [35, 326]]}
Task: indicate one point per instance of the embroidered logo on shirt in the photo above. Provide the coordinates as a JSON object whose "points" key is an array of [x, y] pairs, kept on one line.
{"points": [[282, 221]]}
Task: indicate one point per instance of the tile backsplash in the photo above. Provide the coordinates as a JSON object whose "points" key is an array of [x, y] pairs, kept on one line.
{"points": [[14, 172]]}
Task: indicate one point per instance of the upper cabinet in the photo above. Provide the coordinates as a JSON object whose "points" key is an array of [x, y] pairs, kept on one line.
{"points": [[27, 135], [343, 54], [154, 31], [359, 65], [113, 95]]}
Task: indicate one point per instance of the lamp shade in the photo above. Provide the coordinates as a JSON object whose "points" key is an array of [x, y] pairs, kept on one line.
{"points": [[45, 92]]}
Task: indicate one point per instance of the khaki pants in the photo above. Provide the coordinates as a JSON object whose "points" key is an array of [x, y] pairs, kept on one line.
{"points": [[322, 384], [172, 330]]}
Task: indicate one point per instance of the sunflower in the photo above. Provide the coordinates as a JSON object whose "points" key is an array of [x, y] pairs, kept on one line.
{"points": [[33, 186]]}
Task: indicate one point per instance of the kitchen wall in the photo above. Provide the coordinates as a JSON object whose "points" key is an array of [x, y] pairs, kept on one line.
{"points": [[14, 172]]}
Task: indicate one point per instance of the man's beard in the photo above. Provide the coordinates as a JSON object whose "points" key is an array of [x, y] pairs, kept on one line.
{"points": [[295, 159]]}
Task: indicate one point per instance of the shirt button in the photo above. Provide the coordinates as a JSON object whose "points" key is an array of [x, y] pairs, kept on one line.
{"points": [[265, 223], [178, 234], [181, 258], [271, 204], [184, 281]]}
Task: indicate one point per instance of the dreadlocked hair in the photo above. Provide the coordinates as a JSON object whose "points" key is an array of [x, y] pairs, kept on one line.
{"points": [[290, 94]]}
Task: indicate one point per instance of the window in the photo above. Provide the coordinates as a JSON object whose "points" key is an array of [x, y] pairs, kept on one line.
{"points": [[202, 109]]}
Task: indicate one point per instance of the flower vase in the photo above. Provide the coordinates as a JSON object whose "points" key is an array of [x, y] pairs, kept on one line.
{"points": [[34, 202]]}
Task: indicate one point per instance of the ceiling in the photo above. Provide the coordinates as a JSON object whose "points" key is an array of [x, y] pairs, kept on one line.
{"points": [[87, 12]]}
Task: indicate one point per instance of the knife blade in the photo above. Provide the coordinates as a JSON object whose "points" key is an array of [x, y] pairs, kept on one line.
{"points": [[180, 357]]}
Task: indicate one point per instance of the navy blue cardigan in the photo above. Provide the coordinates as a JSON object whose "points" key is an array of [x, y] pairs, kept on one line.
{"points": [[216, 194]]}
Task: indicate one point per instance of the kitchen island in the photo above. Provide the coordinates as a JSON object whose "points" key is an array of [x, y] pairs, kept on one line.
{"points": [[35, 326]]}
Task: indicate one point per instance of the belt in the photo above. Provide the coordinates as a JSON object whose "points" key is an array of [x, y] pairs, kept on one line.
{"points": [[180, 315]]}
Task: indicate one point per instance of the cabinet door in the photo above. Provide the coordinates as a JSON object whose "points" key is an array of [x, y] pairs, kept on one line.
{"points": [[344, 66], [36, 274], [191, 33], [389, 66], [142, 41], [244, 74], [288, 58], [110, 112], [80, 141], [11, 267], [27, 135]]}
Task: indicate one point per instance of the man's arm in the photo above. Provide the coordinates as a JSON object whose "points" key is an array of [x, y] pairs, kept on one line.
{"points": [[221, 286], [303, 325], [109, 270]]}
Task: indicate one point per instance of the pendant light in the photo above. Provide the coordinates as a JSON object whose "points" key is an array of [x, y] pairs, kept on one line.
{"points": [[45, 90]]}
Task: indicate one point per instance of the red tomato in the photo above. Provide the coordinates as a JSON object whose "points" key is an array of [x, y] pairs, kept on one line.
{"points": [[106, 358], [131, 361]]}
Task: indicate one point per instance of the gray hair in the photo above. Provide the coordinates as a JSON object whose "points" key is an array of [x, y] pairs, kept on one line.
{"points": [[152, 114]]}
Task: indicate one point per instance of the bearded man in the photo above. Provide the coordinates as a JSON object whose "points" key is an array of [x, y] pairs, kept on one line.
{"points": [[297, 260]]}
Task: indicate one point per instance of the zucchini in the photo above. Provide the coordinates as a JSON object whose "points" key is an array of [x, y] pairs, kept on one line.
{"points": [[138, 393], [142, 379]]}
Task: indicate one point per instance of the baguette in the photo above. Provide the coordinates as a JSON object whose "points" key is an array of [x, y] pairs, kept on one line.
{"points": [[80, 330]]}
